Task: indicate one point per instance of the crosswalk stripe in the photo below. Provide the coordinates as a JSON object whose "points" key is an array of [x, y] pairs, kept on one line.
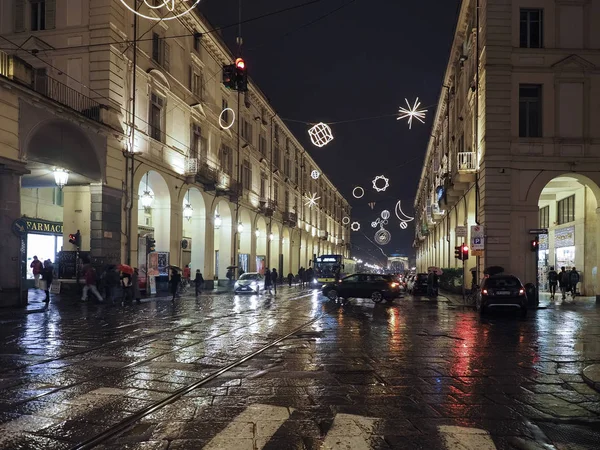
{"points": [[462, 438], [350, 432], [252, 429]]}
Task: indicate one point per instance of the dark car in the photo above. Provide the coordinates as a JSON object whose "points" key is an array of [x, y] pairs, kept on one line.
{"points": [[364, 285], [502, 291], [419, 286]]}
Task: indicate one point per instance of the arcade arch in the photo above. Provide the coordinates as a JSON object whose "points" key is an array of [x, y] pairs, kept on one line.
{"points": [[194, 231], [261, 236], [223, 236], [245, 236]]}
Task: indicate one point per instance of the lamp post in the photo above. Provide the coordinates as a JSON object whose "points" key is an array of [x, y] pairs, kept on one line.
{"points": [[61, 177]]}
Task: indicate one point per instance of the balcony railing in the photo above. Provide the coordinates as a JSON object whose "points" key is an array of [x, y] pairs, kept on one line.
{"points": [[467, 162], [291, 218]]}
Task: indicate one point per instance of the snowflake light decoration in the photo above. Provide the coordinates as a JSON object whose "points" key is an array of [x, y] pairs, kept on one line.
{"points": [[358, 192], [315, 174], [168, 5], [383, 236], [346, 220], [412, 112], [379, 187], [355, 226], [312, 200], [320, 134], [385, 214]]}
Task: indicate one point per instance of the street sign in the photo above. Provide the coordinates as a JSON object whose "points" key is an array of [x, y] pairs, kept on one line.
{"points": [[461, 231], [538, 231], [477, 237]]}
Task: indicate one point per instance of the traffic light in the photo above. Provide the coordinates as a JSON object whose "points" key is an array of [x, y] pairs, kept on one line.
{"points": [[150, 244], [464, 252], [241, 75], [235, 76], [457, 252], [75, 239], [534, 245]]}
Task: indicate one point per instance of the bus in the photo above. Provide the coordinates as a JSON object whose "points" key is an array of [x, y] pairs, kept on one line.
{"points": [[331, 268]]}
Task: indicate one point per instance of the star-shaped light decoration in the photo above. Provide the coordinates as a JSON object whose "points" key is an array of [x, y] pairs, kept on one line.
{"points": [[381, 186], [413, 112], [312, 200]]}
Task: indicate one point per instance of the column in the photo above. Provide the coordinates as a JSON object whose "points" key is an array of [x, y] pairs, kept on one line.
{"points": [[105, 225], [13, 257]]}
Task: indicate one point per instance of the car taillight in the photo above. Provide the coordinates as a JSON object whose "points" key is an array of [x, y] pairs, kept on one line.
{"points": [[521, 291], [394, 285], [484, 292]]}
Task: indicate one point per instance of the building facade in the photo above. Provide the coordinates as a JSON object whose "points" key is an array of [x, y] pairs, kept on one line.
{"points": [[515, 143], [167, 160]]}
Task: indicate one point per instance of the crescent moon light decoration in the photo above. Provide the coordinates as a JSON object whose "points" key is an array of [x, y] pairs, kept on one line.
{"points": [[402, 217]]}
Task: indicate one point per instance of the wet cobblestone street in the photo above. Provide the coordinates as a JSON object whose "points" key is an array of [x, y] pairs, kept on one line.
{"points": [[413, 374]]}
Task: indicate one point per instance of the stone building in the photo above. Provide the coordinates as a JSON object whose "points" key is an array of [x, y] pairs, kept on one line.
{"points": [[204, 175], [515, 142]]}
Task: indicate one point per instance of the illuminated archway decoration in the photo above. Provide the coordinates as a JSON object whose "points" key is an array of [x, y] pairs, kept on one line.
{"points": [[381, 183], [225, 126], [163, 5], [355, 226], [320, 134], [358, 192]]}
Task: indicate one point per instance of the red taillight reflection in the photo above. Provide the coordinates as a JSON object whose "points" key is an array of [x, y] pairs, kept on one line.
{"points": [[521, 291], [484, 292]]}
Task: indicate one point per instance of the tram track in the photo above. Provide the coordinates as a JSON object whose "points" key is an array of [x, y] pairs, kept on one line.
{"points": [[150, 359]]}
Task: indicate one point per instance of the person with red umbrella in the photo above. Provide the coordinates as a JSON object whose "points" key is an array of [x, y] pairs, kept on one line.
{"points": [[126, 285]]}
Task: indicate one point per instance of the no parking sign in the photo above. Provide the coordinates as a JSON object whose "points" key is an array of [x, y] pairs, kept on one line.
{"points": [[477, 237]]}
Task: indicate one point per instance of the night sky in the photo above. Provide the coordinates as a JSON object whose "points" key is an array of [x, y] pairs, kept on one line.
{"points": [[360, 61]]}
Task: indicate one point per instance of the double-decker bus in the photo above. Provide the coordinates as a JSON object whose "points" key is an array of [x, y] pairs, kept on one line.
{"points": [[331, 268]]}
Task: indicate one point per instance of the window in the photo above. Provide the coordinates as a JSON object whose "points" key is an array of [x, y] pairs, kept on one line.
{"points": [[544, 217], [247, 130], [156, 110], [262, 145], [161, 51], [58, 198], [531, 28], [196, 82], [287, 168], [530, 110], [197, 39], [246, 175], [275, 193], [199, 144], [566, 210], [263, 185], [276, 158], [286, 200], [226, 159], [38, 15]]}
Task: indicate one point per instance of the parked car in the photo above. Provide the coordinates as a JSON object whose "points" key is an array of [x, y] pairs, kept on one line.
{"points": [[501, 291], [249, 283], [364, 285], [419, 284]]}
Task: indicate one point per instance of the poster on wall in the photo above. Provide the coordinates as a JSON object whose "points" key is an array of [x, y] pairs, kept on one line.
{"points": [[564, 237], [152, 284], [158, 264]]}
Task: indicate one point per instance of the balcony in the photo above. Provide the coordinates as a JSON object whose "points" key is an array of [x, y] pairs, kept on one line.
{"points": [[268, 207], [467, 162], [207, 176], [291, 219], [191, 166]]}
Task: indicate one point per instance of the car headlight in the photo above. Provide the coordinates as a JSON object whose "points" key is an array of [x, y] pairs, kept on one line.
{"points": [[236, 285], [254, 284], [315, 281]]}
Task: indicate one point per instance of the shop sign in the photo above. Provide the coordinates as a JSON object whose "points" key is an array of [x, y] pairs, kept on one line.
{"points": [[543, 242], [25, 225], [564, 237]]}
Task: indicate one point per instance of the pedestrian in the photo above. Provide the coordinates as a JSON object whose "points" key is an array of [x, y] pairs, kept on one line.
{"points": [[310, 274], [187, 273], [563, 279], [111, 282], [435, 284], [290, 278], [199, 282], [37, 267], [552, 282], [47, 277], [268, 280], [229, 276], [126, 287], [301, 276], [175, 282], [90, 284], [274, 279], [430, 284], [573, 280], [136, 285]]}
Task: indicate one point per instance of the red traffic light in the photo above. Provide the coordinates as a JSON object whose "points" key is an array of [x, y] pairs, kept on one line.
{"points": [[240, 64], [465, 248]]}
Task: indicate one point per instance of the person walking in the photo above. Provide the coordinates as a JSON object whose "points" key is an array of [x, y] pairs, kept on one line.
{"points": [[552, 282], [310, 274], [37, 267], [175, 282], [573, 280], [187, 274], [290, 278], [111, 282], [199, 282], [301, 276], [90, 284], [126, 287], [268, 280], [135, 277], [47, 277], [563, 279], [274, 279]]}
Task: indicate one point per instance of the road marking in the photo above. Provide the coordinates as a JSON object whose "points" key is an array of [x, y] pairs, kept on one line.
{"points": [[462, 438], [252, 429], [350, 432]]}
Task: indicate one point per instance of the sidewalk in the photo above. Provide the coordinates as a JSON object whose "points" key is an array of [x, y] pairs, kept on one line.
{"points": [[591, 375]]}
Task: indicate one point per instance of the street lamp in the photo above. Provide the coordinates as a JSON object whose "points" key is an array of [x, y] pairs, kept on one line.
{"points": [[271, 236], [218, 221], [240, 227], [257, 233], [188, 211], [61, 176], [147, 198]]}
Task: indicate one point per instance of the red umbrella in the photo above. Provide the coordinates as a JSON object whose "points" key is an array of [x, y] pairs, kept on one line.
{"points": [[125, 269]]}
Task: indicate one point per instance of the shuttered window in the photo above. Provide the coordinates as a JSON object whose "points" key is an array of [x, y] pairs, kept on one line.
{"points": [[19, 16]]}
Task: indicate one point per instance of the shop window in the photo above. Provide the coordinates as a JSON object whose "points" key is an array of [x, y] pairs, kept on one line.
{"points": [[531, 29], [566, 210], [544, 217], [530, 110]]}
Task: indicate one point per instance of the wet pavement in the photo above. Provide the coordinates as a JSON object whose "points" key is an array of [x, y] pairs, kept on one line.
{"points": [[414, 374]]}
